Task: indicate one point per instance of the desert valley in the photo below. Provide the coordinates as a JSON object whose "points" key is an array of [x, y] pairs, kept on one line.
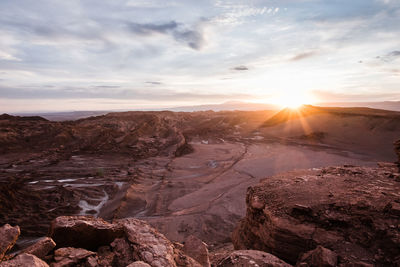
{"points": [[187, 174]]}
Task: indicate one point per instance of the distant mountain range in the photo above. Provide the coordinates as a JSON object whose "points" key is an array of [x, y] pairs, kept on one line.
{"points": [[227, 106], [387, 105]]}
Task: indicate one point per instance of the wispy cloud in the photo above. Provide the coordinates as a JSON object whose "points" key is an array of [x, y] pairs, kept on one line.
{"points": [[241, 68], [302, 56]]}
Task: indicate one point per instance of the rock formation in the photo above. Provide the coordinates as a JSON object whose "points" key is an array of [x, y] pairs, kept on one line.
{"points": [[348, 211], [24, 260], [8, 237], [87, 241]]}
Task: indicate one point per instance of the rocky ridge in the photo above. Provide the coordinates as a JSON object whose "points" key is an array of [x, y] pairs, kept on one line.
{"points": [[88, 242], [335, 215]]}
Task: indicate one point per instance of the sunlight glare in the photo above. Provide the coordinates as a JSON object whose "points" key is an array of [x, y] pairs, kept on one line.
{"points": [[293, 100]]}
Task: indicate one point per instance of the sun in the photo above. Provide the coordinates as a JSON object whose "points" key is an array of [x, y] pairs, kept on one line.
{"points": [[293, 100]]}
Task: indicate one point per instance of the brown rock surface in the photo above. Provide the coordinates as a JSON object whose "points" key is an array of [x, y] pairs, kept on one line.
{"points": [[148, 244], [197, 249], [41, 248], [8, 237], [249, 258], [66, 257], [138, 264], [352, 211], [397, 150], [83, 232], [319, 257], [123, 252], [24, 260]]}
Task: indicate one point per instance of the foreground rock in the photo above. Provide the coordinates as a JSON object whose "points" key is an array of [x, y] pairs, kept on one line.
{"points": [[252, 258], [41, 248], [8, 237], [197, 249], [83, 232], [352, 211], [70, 256], [319, 257], [24, 260], [148, 244], [87, 241]]}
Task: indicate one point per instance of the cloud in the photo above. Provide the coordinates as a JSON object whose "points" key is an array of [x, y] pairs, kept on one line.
{"points": [[110, 92], [194, 38], [153, 82], [389, 57], [302, 56], [324, 96], [241, 68], [148, 29]]}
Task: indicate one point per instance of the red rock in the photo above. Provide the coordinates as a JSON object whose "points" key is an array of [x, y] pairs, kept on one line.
{"points": [[319, 257], [41, 248], [397, 150], [148, 244], [123, 252], [24, 260], [197, 249], [138, 264], [353, 211], [66, 257], [241, 258], [83, 232], [8, 237]]}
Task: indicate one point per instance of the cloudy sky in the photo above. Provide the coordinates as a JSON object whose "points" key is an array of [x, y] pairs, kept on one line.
{"points": [[122, 54]]}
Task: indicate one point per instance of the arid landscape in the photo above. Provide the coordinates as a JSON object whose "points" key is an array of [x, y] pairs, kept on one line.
{"points": [[184, 173], [213, 133]]}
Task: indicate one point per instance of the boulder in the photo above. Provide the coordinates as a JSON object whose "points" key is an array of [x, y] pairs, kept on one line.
{"points": [[148, 244], [197, 249], [319, 257], [352, 211], [252, 258], [83, 232], [65, 257], [138, 264], [8, 237], [41, 248], [24, 260], [123, 252], [183, 260]]}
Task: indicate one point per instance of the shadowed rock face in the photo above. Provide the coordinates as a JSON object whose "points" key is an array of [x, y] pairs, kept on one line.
{"points": [[83, 232], [397, 150], [353, 211]]}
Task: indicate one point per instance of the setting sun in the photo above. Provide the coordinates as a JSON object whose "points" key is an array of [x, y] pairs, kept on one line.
{"points": [[293, 99]]}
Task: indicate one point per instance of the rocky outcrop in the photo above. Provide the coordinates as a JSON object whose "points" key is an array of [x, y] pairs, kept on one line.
{"points": [[41, 248], [24, 260], [8, 237], [251, 258], [88, 241], [352, 211], [84, 232]]}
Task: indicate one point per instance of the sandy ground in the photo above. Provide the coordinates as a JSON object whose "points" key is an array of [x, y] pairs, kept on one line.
{"points": [[203, 193]]}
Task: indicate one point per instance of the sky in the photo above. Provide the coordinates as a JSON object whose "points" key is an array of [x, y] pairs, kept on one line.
{"points": [[132, 54]]}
